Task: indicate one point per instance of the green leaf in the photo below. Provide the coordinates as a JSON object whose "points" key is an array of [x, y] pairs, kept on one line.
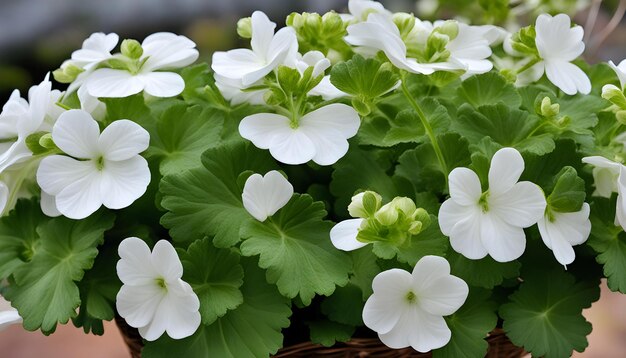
{"points": [[507, 127], [18, 236], [207, 200], [470, 325], [44, 290], [251, 330], [327, 333], [98, 290], [407, 126], [183, 134], [568, 194], [132, 108], [294, 246], [609, 241], [364, 269], [363, 78], [196, 77], [545, 314], [345, 305], [485, 272], [420, 166], [488, 88], [215, 276]]}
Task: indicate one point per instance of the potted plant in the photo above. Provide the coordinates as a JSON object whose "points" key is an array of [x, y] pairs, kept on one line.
{"points": [[365, 181]]}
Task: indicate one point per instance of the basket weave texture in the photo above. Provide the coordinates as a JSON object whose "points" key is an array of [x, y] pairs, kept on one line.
{"points": [[499, 347]]}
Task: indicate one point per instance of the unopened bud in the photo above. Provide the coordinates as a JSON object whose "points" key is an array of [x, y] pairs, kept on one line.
{"points": [[405, 22], [295, 20], [364, 205], [244, 27], [547, 109], [131, 49], [449, 28], [614, 95]]}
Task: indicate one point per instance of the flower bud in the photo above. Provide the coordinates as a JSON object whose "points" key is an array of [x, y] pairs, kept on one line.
{"points": [[332, 23], [313, 22], [387, 215], [131, 49], [67, 73], [405, 22], [614, 95], [295, 20], [244, 27], [364, 205], [47, 142], [449, 28], [547, 109]]}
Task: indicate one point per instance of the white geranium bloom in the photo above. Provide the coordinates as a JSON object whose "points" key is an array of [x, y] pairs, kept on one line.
{"points": [[558, 44], [321, 135], [96, 48], [154, 298], [8, 314], [360, 9], [491, 223], [344, 234], [161, 51], [264, 195], [620, 70], [108, 170], [407, 309], [610, 177], [561, 231], [269, 50], [468, 51]]}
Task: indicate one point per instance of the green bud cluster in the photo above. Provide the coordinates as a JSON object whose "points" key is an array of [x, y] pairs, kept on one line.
{"points": [[523, 41], [316, 32], [395, 222]]}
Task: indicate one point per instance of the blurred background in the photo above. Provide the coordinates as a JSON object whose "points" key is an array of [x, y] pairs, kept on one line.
{"points": [[36, 36]]}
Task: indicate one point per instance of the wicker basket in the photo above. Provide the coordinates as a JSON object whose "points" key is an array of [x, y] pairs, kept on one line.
{"points": [[499, 347]]}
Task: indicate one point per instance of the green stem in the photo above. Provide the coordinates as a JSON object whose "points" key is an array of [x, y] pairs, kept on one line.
{"points": [[530, 64], [427, 128]]}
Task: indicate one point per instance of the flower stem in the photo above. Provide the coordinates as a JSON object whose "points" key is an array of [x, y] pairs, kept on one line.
{"points": [[427, 128], [530, 64]]}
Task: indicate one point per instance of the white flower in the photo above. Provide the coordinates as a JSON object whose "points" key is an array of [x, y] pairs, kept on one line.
{"points": [[161, 51], [21, 118], [320, 63], [344, 234], [108, 170], [468, 51], [360, 9], [269, 50], [559, 44], [233, 91], [4, 196], [492, 222], [154, 298], [264, 195], [561, 231], [407, 309], [8, 314], [610, 177], [321, 135], [96, 48], [620, 70]]}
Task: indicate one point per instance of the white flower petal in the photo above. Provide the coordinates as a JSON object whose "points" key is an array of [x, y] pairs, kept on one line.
{"points": [[262, 32], [81, 198], [165, 260], [261, 128], [336, 116], [123, 182], [122, 140], [4, 196], [107, 82], [165, 50], [162, 84], [568, 77], [450, 213], [384, 308], [566, 230], [236, 63], [620, 71], [263, 196], [292, 147], [48, 205], [327, 90], [57, 172], [418, 329], [184, 317], [438, 292], [556, 39], [522, 206], [139, 304], [507, 166], [343, 235], [464, 186], [135, 267], [503, 241], [76, 133], [8, 314]]}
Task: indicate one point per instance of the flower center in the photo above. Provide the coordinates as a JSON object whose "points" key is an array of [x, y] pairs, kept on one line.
{"points": [[411, 297], [161, 283], [483, 202], [100, 163]]}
